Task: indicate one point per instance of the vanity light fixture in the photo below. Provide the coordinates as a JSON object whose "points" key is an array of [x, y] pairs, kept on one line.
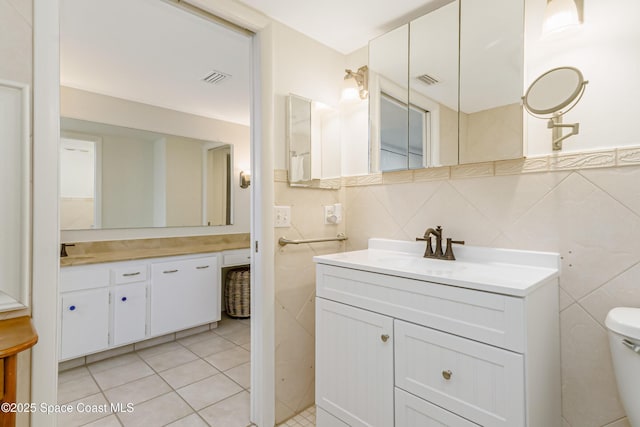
{"points": [[362, 80], [562, 15], [245, 179]]}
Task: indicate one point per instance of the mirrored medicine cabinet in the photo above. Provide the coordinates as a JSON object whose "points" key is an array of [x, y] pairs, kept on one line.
{"points": [[118, 177], [313, 141], [445, 88]]}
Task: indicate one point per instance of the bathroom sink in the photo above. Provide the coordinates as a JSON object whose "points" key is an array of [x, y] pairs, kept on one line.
{"points": [[506, 271]]}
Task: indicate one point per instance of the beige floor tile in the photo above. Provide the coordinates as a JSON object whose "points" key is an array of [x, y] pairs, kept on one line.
{"points": [[122, 374], [187, 341], [240, 374], [231, 412], [229, 358], [82, 411], [188, 373], [105, 365], [211, 345], [138, 391], [240, 337], [159, 349], [209, 391], [156, 412], [170, 359], [229, 326], [192, 420], [110, 421], [73, 374], [77, 388]]}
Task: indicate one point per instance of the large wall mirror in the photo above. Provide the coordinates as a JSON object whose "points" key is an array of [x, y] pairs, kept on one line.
{"points": [[117, 177], [445, 88]]}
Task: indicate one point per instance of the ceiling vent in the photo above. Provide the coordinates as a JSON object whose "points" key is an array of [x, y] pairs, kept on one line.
{"points": [[427, 79], [215, 77]]}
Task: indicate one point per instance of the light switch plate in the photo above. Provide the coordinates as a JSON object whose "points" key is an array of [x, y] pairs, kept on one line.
{"points": [[281, 216]]}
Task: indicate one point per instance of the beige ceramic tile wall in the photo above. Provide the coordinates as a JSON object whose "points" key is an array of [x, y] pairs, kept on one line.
{"points": [[295, 294], [16, 29], [591, 217]]}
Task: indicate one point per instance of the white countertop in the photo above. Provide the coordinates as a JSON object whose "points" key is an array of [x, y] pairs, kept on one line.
{"points": [[503, 271]]}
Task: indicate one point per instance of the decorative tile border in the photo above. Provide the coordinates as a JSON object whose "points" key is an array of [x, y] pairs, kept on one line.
{"points": [[624, 156]]}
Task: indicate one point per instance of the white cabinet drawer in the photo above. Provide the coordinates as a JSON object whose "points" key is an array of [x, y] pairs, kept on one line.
{"points": [[414, 412], [240, 257], [479, 382], [482, 316], [83, 277], [128, 273]]}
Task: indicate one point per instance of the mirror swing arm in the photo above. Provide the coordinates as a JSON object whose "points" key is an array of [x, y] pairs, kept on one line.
{"points": [[552, 84]]}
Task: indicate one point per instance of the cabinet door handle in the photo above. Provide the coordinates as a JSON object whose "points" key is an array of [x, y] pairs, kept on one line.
{"points": [[123, 299], [72, 307], [447, 375], [384, 337], [169, 271], [200, 267], [131, 274]]}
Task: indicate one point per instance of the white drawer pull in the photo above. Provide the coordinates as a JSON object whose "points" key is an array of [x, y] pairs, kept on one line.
{"points": [[200, 267], [447, 375], [384, 337], [131, 274], [169, 271]]}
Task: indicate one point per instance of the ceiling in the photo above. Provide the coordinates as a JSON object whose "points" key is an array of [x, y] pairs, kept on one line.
{"points": [[344, 25], [153, 52]]}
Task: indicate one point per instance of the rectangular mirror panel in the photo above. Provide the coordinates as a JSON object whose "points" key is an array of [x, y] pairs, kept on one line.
{"points": [[116, 177]]}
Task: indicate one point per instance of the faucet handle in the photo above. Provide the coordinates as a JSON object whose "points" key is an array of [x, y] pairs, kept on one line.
{"points": [[448, 254], [63, 249], [428, 253]]}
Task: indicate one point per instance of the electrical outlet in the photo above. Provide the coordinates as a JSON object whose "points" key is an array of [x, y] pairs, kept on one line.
{"points": [[282, 216], [330, 214]]}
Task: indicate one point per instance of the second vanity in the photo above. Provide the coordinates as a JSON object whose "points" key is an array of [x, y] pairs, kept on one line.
{"points": [[406, 341], [104, 305]]}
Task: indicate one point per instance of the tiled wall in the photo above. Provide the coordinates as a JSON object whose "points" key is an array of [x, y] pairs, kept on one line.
{"points": [[295, 294], [590, 216]]}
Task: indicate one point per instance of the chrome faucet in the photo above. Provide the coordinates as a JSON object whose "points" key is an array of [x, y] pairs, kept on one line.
{"points": [[437, 252]]}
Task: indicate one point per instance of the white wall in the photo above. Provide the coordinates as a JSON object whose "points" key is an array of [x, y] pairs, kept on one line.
{"points": [[83, 105]]}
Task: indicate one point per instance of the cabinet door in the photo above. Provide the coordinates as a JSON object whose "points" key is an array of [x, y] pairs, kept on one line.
{"points": [[354, 364], [129, 313], [85, 322], [414, 412], [479, 382], [184, 294]]}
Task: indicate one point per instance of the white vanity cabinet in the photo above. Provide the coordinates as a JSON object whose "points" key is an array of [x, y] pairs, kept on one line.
{"points": [[184, 293], [408, 342], [107, 305]]}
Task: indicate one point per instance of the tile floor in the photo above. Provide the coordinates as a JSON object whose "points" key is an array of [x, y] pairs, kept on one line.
{"points": [[199, 380], [306, 418]]}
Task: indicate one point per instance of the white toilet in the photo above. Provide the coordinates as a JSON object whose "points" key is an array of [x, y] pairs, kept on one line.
{"points": [[624, 340]]}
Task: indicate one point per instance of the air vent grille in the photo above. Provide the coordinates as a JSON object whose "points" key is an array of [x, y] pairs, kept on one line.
{"points": [[216, 77], [427, 79]]}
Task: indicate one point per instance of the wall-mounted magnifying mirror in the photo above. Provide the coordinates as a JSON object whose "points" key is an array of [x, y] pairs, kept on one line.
{"points": [[553, 94]]}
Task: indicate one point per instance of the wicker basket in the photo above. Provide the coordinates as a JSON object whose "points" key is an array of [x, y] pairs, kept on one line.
{"points": [[238, 293]]}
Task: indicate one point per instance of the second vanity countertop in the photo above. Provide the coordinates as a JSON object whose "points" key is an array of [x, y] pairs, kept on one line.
{"points": [[503, 271], [124, 250]]}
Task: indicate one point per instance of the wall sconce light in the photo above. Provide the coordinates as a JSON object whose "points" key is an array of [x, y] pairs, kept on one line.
{"points": [[561, 15], [362, 80], [245, 179]]}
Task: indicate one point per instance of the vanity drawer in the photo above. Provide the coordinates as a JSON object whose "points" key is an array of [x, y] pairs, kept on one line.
{"points": [[414, 412], [128, 273], [478, 382], [482, 316], [240, 257], [83, 277]]}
